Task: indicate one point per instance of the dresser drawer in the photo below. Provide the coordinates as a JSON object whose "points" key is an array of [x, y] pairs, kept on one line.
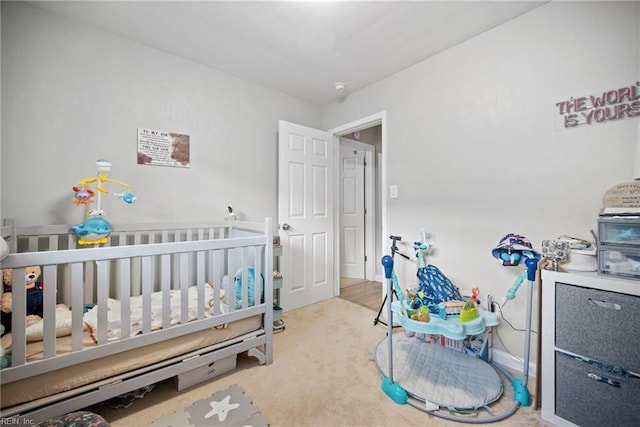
{"points": [[619, 261], [598, 324], [589, 396], [619, 231]]}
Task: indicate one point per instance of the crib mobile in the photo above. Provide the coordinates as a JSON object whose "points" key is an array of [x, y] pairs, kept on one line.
{"points": [[96, 229]]}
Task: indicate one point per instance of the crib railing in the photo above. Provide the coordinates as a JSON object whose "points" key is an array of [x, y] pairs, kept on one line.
{"points": [[48, 238], [137, 262], [36, 238]]}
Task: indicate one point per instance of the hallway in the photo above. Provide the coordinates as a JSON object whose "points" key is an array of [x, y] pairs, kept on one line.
{"points": [[362, 292]]}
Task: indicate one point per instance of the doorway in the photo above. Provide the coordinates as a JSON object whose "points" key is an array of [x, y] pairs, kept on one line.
{"points": [[357, 207], [368, 135], [357, 201]]}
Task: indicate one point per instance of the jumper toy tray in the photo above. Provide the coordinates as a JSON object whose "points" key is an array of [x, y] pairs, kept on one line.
{"points": [[452, 327]]}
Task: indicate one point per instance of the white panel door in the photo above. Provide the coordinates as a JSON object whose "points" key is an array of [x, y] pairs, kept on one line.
{"points": [[305, 214], [352, 239]]}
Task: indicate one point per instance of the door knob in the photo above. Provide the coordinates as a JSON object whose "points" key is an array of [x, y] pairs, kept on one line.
{"points": [[286, 227]]}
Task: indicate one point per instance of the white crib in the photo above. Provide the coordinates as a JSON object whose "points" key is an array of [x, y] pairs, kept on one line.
{"points": [[173, 313]]}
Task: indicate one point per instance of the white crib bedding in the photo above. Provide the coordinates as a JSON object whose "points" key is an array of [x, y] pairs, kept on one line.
{"points": [[114, 308], [75, 376], [34, 332]]}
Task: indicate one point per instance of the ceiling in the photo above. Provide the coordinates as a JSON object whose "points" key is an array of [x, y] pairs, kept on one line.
{"points": [[301, 48]]}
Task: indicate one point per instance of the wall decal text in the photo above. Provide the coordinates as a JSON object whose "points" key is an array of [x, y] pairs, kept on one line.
{"points": [[615, 104]]}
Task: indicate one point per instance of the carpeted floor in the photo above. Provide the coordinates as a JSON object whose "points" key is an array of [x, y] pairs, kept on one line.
{"points": [[323, 375]]}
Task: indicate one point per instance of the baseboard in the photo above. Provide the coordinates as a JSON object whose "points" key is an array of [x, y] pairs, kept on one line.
{"points": [[511, 363]]}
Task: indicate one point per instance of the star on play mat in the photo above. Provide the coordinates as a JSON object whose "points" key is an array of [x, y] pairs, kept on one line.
{"points": [[221, 408], [232, 407]]}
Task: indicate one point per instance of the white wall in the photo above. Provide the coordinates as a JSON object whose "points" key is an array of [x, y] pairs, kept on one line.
{"points": [[475, 151], [73, 94], [472, 140]]}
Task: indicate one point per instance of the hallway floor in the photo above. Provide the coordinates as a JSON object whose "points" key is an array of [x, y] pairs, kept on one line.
{"points": [[362, 292]]}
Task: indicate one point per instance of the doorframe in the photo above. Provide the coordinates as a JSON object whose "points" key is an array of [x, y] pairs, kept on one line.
{"points": [[354, 126]]}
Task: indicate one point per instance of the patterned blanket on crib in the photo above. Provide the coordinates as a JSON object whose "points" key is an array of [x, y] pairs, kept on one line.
{"points": [[114, 309]]}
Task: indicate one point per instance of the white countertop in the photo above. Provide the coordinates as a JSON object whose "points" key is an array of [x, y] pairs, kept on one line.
{"points": [[594, 280]]}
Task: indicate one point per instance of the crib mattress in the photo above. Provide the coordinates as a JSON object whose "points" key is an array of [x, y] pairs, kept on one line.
{"points": [[66, 379]]}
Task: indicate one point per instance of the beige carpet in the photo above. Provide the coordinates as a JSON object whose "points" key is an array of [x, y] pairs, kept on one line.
{"points": [[322, 375]]}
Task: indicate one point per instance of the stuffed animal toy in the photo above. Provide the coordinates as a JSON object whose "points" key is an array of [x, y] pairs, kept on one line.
{"points": [[4, 251], [421, 315], [5, 358], [4, 248], [34, 296]]}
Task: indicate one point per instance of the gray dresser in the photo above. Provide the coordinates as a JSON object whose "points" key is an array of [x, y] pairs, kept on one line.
{"points": [[590, 350]]}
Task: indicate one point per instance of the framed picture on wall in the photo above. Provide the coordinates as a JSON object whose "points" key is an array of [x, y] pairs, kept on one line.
{"points": [[162, 148]]}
